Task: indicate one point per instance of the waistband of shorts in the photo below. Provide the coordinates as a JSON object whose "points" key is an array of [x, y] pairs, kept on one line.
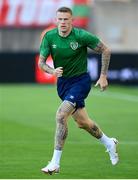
{"points": [[74, 77]]}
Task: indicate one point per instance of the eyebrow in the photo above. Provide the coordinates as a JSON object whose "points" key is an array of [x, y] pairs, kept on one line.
{"points": [[63, 18]]}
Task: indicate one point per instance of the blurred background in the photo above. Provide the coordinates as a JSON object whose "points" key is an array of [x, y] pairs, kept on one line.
{"points": [[28, 98], [22, 22]]}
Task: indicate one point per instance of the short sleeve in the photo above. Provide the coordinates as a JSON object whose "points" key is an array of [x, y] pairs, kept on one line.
{"points": [[89, 39], [44, 47]]}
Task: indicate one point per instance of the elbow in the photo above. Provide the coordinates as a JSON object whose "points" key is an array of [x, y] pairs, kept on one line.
{"points": [[39, 64], [107, 51]]}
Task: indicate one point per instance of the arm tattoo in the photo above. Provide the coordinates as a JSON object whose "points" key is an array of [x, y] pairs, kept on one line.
{"points": [[102, 49], [62, 130], [45, 67]]}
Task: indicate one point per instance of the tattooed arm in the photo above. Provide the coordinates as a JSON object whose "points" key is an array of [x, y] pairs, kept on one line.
{"points": [[46, 68], [106, 53], [43, 66]]}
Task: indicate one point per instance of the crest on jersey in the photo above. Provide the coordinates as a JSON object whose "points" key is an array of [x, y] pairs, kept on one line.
{"points": [[74, 45]]}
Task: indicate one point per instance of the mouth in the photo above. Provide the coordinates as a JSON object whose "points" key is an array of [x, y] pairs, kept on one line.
{"points": [[63, 26]]}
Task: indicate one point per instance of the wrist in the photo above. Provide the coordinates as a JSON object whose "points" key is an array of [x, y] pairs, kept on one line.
{"points": [[53, 71], [103, 75]]}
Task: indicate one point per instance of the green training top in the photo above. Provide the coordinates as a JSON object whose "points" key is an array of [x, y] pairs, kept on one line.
{"points": [[69, 52]]}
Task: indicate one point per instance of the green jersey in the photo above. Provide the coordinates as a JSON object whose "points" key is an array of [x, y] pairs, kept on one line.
{"points": [[69, 52]]}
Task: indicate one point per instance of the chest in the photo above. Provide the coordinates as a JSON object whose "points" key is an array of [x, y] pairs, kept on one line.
{"points": [[65, 47]]}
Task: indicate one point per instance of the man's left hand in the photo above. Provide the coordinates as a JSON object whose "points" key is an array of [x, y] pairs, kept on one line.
{"points": [[102, 82]]}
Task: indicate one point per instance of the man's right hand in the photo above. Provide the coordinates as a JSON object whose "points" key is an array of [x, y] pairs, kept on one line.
{"points": [[58, 72]]}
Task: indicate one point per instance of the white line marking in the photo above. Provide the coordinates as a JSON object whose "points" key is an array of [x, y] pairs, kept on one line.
{"points": [[114, 95]]}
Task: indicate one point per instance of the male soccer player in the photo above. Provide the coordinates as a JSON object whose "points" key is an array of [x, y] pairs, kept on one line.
{"points": [[68, 48]]}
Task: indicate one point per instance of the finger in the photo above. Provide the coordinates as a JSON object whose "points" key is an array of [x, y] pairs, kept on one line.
{"points": [[59, 72], [97, 83], [59, 75], [60, 68]]}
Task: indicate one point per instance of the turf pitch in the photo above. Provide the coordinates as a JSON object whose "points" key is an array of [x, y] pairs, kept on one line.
{"points": [[27, 124]]}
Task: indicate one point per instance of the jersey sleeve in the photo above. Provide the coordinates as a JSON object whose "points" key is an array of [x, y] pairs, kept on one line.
{"points": [[44, 47], [90, 40]]}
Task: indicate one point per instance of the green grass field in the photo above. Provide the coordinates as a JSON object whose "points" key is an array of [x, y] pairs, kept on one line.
{"points": [[27, 124]]}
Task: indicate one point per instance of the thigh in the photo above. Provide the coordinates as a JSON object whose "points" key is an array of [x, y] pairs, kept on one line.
{"points": [[65, 109], [80, 115]]}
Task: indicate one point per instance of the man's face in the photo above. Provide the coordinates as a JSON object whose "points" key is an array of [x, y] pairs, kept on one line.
{"points": [[64, 21]]}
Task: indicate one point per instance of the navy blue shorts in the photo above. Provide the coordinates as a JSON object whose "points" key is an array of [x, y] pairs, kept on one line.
{"points": [[74, 89]]}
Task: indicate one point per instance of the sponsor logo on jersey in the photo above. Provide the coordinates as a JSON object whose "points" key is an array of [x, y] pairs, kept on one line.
{"points": [[54, 46], [74, 45]]}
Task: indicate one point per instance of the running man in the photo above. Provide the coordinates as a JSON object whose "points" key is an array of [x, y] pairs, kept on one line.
{"points": [[68, 48]]}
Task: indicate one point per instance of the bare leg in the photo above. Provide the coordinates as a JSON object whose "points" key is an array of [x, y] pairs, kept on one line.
{"points": [[83, 121], [62, 115], [63, 112]]}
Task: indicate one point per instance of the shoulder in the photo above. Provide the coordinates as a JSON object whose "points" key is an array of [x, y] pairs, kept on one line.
{"points": [[48, 33], [86, 38], [78, 31], [51, 32], [82, 33]]}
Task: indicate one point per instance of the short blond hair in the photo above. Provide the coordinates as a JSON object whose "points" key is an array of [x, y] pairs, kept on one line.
{"points": [[65, 9]]}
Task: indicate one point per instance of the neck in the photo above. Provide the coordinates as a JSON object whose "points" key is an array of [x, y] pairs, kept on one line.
{"points": [[64, 34]]}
